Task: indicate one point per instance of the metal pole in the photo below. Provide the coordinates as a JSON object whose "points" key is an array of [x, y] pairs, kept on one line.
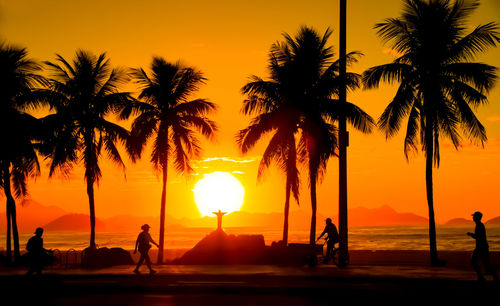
{"points": [[343, 142]]}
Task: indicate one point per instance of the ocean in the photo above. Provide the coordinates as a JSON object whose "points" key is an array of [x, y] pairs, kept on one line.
{"points": [[360, 238]]}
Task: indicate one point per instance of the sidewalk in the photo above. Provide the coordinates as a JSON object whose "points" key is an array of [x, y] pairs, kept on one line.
{"points": [[248, 285], [352, 271]]}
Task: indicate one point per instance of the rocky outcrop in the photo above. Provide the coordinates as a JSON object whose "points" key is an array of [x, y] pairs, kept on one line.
{"points": [[106, 257], [221, 248]]}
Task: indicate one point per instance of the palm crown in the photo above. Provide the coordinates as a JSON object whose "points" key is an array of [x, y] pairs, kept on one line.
{"points": [[19, 131], [439, 85], [166, 113], [83, 94], [299, 100]]}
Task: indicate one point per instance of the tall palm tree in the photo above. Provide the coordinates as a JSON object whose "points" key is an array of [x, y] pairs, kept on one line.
{"points": [[167, 113], [439, 85], [281, 120], [276, 112], [321, 110], [299, 101], [83, 94], [18, 131]]}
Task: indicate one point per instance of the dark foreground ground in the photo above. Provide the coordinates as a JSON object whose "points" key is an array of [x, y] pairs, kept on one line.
{"points": [[248, 285]]}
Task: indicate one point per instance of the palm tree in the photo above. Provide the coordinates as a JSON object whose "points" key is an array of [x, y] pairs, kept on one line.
{"points": [[281, 120], [320, 106], [83, 93], [273, 102], [168, 114], [18, 158], [439, 85], [299, 100]]}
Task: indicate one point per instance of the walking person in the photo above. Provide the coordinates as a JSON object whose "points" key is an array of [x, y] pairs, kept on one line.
{"points": [[37, 255], [481, 252], [142, 243], [331, 238]]}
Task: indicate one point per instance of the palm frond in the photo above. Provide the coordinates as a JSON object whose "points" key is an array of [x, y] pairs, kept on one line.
{"points": [[390, 73]]}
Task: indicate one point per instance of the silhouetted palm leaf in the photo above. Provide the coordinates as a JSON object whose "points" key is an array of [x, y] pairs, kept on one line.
{"points": [[167, 114], [83, 93], [19, 131], [439, 86], [299, 101]]}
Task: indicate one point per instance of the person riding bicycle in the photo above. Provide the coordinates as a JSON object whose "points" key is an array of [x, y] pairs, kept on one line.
{"points": [[331, 238]]}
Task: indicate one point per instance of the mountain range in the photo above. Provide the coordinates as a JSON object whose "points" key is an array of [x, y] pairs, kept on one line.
{"points": [[32, 214]]}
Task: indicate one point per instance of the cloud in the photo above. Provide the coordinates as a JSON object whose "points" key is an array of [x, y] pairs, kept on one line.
{"points": [[232, 160]]}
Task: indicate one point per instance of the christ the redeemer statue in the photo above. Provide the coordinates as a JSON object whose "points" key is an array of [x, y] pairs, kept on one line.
{"points": [[219, 215]]}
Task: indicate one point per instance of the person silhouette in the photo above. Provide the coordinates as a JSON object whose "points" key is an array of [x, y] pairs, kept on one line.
{"points": [[36, 253], [481, 252], [142, 243], [331, 239]]}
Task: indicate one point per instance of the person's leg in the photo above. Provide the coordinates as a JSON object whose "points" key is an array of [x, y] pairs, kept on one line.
{"points": [[475, 264], [31, 270], [485, 256], [329, 248], [139, 263], [39, 268], [148, 263]]}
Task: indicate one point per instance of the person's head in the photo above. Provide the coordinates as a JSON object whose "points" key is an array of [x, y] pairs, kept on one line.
{"points": [[328, 221], [39, 232], [145, 227], [477, 216]]}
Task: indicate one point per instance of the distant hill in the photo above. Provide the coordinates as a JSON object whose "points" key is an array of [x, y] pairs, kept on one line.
{"points": [[31, 214], [73, 222], [383, 216], [493, 222], [301, 219], [298, 220], [134, 223], [459, 222]]}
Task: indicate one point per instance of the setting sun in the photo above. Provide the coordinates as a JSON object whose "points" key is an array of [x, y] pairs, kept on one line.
{"points": [[218, 191]]}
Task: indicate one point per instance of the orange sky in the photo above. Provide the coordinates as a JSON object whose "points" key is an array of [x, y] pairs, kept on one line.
{"points": [[229, 41]]}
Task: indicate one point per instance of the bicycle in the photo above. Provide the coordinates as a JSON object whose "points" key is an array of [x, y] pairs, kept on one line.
{"points": [[333, 256]]}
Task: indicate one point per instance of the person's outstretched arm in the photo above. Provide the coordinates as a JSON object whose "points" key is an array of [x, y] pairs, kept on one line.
{"points": [[324, 232], [152, 241]]}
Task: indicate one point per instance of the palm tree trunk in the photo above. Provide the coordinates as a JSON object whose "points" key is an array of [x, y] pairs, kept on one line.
{"points": [[90, 193], [312, 235], [162, 214], [15, 232], [11, 217], [6, 186], [8, 251], [430, 200], [287, 210]]}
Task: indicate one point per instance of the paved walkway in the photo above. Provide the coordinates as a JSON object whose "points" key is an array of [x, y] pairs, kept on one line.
{"points": [[246, 285], [353, 271]]}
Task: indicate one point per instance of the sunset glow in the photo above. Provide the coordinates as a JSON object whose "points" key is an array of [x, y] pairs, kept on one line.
{"points": [[224, 41], [218, 191]]}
